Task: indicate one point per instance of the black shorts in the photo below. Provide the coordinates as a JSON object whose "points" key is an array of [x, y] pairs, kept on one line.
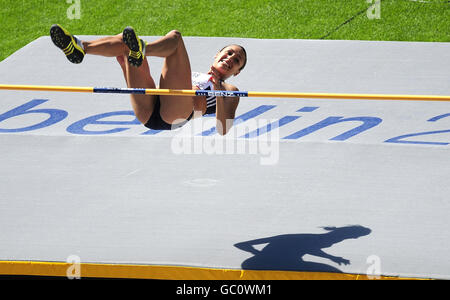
{"points": [[157, 123]]}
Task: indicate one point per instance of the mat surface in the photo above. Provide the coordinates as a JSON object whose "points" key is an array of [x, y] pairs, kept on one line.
{"points": [[340, 186]]}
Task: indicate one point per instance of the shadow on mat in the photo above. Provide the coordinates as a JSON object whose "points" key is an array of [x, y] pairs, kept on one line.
{"points": [[285, 252]]}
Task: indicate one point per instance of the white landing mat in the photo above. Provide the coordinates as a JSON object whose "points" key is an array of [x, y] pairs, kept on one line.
{"points": [[340, 186]]}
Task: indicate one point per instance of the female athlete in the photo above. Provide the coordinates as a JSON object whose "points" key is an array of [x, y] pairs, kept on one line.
{"points": [[164, 112]]}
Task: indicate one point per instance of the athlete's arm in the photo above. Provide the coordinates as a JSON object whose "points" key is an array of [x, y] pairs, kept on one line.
{"points": [[225, 106], [199, 102], [225, 112]]}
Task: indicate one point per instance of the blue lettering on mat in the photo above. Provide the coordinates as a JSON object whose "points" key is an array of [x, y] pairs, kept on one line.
{"points": [[434, 119], [283, 121], [308, 109], [368, 122], [54, 115], [271, 126], [242, 118], [401, 139], [78, 127]]}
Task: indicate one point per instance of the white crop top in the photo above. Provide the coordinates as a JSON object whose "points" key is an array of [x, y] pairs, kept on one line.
{"points": [[203, 82]]}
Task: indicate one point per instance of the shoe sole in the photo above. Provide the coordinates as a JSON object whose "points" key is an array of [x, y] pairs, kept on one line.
{"points": [[62, 39], [130, 39]]}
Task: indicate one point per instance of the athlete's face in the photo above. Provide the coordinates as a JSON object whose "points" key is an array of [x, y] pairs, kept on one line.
{"points": [[229, 61]]}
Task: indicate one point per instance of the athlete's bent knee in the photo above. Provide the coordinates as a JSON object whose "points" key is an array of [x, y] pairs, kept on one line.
{"points": [[175, 35]]}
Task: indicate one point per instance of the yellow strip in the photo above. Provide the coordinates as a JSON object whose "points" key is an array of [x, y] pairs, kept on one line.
{"points": [[75, 44], [135, 54], [67, 48], [36, 268], [170, 92], [351, 96], [46, 88]]}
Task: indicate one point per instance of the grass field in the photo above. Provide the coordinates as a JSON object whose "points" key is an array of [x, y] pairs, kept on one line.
{"points": [[401, 20]]}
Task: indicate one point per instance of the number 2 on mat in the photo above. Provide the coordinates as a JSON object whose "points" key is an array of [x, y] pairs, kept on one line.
{"points": [[400, 139]]}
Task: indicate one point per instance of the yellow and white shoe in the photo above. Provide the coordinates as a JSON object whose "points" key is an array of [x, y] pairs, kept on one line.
{"points": [[136, 46], [68, 43]]}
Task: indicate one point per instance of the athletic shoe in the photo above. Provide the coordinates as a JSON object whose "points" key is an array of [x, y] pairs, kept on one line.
{"points": [[136, 46], [69, 44]]}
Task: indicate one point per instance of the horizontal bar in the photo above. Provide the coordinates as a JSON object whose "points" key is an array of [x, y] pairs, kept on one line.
{"points": [[351, 96], [173, 92], [119, 90]]}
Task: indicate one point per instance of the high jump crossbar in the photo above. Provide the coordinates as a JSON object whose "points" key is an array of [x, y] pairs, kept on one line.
{"points": [[174, 92]]}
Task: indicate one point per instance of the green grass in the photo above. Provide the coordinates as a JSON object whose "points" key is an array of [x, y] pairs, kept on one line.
{"points": [[400, 20]]}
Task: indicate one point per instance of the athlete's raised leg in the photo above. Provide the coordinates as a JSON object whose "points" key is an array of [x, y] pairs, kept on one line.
{"points": [[111, 46], [175, 74], [135, 77], [139, 78], [75, 49]]}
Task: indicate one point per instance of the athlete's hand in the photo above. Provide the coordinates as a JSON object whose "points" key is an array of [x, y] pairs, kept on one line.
{"points": [[216, 78]]}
